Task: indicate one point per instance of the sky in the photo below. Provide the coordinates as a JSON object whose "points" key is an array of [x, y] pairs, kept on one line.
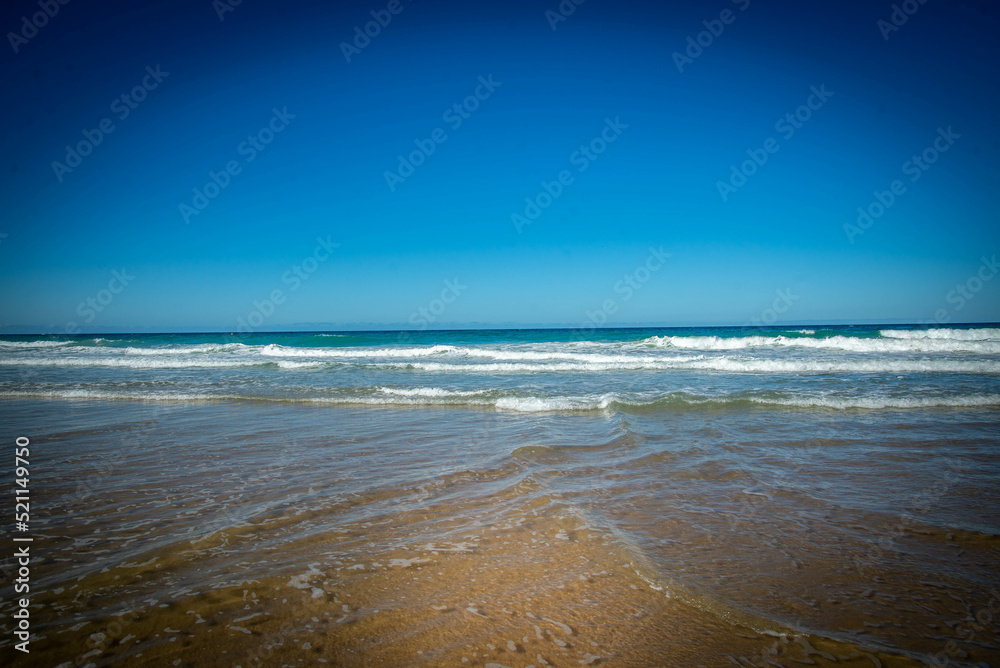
{"points": [[204, 166]]}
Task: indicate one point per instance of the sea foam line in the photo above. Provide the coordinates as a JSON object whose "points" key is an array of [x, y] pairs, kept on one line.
{"points": [[900, 344], [980, 334], [502, 401]]}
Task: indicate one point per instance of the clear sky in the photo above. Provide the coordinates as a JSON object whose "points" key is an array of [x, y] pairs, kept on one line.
{"points": [[644, 127]]}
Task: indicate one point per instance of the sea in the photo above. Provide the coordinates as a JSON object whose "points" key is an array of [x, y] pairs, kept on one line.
{"points": [[823, 495]]}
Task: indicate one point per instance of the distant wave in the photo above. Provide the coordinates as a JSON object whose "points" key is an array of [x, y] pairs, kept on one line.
{"points": [[183, 350], [901, 344], [883, 365], [982, 334], [275, 350], [542, 355], [33, 344]]}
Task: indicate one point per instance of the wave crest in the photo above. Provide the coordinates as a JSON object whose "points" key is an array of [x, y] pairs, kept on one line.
{"points": [[981, 334], [277, 350], [900, 344]]}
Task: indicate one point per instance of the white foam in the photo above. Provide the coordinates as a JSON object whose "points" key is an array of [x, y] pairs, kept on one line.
{"points": [[711, 342], [382, 400], [33, 344], [546, 404], [406, 563], [727, 364], [879, 402], [542, 355], [848, 343], [128, 362], [288, 364], [884, 365], [722, 363], [186, 350], [430, 392], [537, 404], [980, 334], [114, 396], [896, 351], [275, 350]]}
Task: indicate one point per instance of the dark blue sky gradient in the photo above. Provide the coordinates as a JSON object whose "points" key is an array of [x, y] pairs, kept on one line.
{"points": [[656, 185]]}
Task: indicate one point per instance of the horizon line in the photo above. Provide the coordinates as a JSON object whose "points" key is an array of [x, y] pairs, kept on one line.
{"points": [[553, 328]]}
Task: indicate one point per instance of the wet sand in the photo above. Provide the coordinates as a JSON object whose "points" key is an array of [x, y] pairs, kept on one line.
{"points": [[524, 589], [242, 534]]}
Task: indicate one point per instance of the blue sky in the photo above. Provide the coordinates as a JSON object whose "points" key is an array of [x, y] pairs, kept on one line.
{"points": [[342, 125]]}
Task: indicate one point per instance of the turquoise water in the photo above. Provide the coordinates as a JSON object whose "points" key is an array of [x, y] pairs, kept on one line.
{"points": [[866, 367]]}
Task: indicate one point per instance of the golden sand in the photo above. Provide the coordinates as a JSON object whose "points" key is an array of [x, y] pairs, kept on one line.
{"points": [[525, 586]]}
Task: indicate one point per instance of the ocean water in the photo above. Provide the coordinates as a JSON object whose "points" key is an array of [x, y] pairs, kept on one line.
{"points": [[711, 496], [524, 370]]}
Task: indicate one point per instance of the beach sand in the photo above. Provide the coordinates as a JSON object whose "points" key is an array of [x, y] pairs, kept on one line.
{"points": [[523, 587]]}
